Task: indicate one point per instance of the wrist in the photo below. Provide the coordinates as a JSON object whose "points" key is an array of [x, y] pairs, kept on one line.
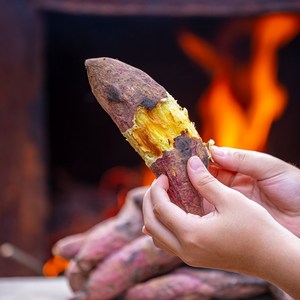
{"points": [[279, 259]]}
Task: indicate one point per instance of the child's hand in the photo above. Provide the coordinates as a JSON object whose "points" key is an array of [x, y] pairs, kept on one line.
{"points": [[239, 234], [226, 238]]}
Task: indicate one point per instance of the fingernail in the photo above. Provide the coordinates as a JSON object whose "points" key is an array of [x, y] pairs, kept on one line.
{"points": [[218, 151], [195, 163]]}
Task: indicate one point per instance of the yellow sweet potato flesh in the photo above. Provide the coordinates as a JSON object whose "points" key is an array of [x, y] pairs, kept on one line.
{"points": [[155, 129]]}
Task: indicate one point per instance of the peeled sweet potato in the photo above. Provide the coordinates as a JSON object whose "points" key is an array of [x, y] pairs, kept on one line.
{"points": [[152, 121]]}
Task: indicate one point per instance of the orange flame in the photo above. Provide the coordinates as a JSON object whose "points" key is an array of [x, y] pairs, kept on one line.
{"points": [[226, 117]]}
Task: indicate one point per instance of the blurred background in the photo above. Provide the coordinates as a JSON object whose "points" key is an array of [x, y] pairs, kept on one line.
{"points": [[64, 166]]}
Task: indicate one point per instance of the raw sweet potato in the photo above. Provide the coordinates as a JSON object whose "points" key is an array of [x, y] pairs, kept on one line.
{"points": [[152, 121]]}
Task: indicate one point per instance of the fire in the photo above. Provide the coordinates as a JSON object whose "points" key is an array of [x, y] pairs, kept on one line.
{"points": [[230, 117]]}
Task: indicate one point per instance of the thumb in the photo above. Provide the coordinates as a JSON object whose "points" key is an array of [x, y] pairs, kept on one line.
{"points": [[252, 163], [207, 186]]}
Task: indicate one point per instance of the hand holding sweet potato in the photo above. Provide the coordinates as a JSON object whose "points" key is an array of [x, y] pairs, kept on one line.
{"points": [[240, 235]]}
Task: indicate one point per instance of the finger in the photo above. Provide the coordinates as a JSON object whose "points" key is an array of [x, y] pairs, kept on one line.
{"points": [[223, 175], [164, 246], [206, 184], [255, 164], [170, 222], [157, 225]]}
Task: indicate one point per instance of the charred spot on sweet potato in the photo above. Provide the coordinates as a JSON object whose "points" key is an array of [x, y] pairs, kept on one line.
{"points": [[148, 103], [183, 144], [113, 94]]}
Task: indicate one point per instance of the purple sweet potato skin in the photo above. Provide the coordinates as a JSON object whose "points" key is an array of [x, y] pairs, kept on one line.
{"points": [[121, 88], [198, 284], [173, 165], [170, 287], [88, 249], [136, 262]]}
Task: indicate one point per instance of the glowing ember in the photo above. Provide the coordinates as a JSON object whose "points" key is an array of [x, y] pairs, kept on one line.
{"points": [[229, 118], [55, 266]]}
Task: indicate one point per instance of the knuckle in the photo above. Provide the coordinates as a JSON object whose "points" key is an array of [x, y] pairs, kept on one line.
{"points": [[239, 156], [156, 243], [188, 240], [205, 180], [156, 209]]}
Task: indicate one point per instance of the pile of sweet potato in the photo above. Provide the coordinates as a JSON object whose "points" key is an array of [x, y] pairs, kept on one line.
{"points": [[114, 260]]}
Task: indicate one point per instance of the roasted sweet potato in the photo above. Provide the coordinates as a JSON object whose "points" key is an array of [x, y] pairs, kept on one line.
{"points": [[152, 121], [87, 250], [198, 284], [136, 262]]}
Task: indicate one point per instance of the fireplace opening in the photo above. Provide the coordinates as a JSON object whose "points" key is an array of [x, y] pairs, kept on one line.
{"points": [[204, 58]]}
